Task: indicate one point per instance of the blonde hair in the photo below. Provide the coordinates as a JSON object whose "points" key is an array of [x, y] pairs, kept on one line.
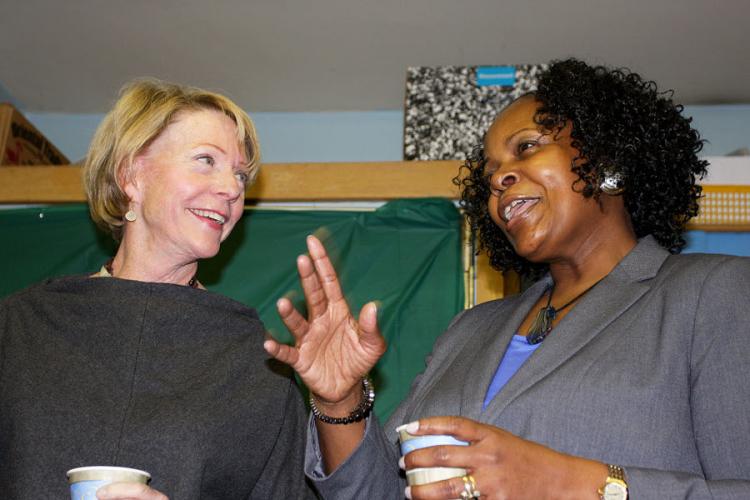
{"points": [[145, 108]]}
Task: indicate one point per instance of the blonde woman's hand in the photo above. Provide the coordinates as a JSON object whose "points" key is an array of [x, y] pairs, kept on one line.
{"points": [[332, 350]]}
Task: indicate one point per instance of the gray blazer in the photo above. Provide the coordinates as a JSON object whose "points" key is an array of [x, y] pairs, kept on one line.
{"points": [[651, 371]]}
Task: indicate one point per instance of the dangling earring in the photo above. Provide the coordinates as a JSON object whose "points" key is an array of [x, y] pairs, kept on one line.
{"points": [[613, 182], [130, 216]]}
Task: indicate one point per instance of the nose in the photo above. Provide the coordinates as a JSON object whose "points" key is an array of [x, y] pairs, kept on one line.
{"points": [[502, 180], [228, 186]]}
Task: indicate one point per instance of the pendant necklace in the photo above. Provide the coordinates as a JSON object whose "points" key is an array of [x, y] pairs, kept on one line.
{"points": [[542, 324]]}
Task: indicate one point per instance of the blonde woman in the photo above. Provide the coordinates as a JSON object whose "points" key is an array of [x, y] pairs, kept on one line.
{"points": [[138, 365]]}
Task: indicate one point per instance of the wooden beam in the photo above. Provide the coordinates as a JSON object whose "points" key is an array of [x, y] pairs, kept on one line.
{"points": [[53, 184], [490, 284], [355, 181], [276, 182]]}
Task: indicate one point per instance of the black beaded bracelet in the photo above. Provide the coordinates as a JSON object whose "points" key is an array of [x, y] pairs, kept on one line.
{"points": [[359, 413]]}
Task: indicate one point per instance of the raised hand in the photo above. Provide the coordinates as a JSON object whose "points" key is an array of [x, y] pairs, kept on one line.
{"points": [[332, 350]]}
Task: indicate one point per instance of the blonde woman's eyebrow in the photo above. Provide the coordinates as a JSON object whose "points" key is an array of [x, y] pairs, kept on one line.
{"points": [[210, 144]]}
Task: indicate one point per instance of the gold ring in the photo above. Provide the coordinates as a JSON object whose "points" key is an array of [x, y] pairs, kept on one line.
{"points": [[470, 488]]}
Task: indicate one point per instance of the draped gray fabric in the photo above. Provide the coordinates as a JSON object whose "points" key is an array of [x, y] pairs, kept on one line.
{"points": [[164, 378]]}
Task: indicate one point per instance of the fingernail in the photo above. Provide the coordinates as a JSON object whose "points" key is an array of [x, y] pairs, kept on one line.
{"points": [[402, 463], [407, 492], [412, 427]]}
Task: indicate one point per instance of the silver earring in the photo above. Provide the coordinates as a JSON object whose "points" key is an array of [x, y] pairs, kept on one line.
{"points": [[130, 216], [613, 183]]}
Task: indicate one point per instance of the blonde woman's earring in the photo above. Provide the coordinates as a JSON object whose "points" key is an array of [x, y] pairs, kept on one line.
{"points": [[130, 216]]}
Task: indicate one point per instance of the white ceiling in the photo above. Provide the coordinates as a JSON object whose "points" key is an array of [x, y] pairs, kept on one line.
{"points": [[72, 56]]}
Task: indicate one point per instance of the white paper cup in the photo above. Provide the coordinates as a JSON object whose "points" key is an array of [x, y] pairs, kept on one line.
{"points": [[84, 481], [411, 442], [415, 477], [424, 475]]}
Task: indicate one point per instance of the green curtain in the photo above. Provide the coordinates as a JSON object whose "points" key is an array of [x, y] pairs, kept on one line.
{"points": [[406, 255]]}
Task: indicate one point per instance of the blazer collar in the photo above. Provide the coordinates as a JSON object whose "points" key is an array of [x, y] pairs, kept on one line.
{"points": [[643, 262], [488, 346], [598, 308]]}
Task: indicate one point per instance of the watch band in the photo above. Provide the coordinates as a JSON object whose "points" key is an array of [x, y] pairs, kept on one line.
{"points": [[616, 472], [615, 488]]}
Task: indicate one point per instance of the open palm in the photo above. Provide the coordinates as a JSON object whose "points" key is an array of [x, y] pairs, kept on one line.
{"points": [[332, 350]]}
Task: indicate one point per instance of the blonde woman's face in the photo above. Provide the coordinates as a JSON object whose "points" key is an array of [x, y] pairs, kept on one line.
{"points": [[188, 187]]}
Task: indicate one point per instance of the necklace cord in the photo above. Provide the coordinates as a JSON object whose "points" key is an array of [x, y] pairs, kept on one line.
{"points": [[542, 325], [193, 283]]}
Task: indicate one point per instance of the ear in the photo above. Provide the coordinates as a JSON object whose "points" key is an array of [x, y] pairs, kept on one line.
{"points": [[129, 178]]}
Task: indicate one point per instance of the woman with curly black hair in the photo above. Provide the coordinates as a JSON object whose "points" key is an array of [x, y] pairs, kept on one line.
{"points": [[622, 372], [624, 130]]}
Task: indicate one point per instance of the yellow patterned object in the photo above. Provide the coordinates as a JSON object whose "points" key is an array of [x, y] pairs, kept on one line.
{"points": [[723, 208]]}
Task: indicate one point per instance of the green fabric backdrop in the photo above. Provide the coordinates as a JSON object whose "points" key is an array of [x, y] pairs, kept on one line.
{"points": [[406, 255]]}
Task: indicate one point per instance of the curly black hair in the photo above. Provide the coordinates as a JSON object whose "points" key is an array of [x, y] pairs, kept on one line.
{"points": [[621, 123]]}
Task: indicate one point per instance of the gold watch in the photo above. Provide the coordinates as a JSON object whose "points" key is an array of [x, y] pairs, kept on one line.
{"points": [[616, 488]]}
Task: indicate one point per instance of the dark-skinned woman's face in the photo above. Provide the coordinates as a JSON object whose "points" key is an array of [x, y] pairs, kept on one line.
{"points": [[532, 200]]}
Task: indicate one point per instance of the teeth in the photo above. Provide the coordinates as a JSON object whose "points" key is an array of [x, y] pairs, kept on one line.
{"points": [[509, 210], [513, 204], [506, 213], [208, 214]]}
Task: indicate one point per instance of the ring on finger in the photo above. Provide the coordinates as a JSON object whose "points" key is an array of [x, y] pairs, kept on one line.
{"points": [[470, 488]]}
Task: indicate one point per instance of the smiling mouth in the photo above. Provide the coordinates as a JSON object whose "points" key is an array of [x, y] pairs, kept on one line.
{"points": [[518, 207], [209, 214]]}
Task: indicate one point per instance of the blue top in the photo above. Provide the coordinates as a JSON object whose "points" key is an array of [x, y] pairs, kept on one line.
{"points": [[517, 353]]}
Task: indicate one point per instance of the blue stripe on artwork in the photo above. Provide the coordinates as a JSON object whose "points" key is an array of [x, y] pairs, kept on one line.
{"points": [[504, 76]]}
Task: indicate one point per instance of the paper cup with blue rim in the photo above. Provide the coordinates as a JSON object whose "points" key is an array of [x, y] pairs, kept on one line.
{"points": [[84, 481], [423, 475]]}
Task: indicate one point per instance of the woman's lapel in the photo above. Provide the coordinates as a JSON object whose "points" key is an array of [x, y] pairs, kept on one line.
{"points": [[488, 346], [596, 310]]}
